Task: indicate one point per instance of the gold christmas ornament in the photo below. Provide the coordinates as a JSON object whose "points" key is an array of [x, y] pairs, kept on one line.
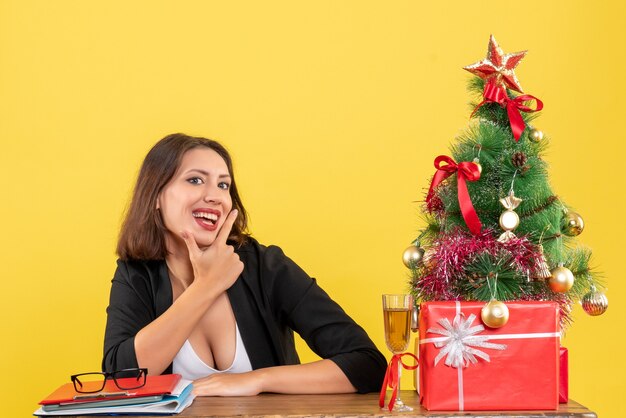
{"points": [[561, 279], [412, 256], [495, 314], [509, 220], [573, 224], [595, 303], [429, 258], [477, 162], [535, 135]]}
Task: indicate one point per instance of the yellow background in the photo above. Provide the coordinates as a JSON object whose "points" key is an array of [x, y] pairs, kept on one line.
{"points": [[334, 112]]}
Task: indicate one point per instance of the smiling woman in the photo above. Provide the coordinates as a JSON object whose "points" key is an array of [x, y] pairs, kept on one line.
{"points": [[195, 294]]}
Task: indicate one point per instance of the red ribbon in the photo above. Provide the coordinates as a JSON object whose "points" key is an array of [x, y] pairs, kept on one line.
{"points": [[494, 93], [465, 171], [392, 378]]}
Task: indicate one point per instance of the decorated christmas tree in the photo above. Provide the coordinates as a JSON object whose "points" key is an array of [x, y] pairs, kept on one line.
{"points": [[495, 229]]}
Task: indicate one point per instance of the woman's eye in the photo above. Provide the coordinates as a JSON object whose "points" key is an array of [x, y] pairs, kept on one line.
{"points": [[223, 185], [195, 180]]}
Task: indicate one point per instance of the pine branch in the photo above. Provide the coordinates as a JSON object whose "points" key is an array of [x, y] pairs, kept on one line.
{"points": [[490, 277]]}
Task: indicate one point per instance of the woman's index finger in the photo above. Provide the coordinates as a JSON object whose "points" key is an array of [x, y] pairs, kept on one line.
{"points": [[224, 233]]}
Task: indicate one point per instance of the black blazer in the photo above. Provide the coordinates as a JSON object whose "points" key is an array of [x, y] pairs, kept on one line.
{"points": [[271, 297]]}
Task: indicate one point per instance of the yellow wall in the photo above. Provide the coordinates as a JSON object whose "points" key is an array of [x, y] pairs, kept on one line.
{"points": [[334, 111]]}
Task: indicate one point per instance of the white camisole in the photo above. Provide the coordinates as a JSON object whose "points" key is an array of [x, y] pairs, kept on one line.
{"points": [[191, 367]]}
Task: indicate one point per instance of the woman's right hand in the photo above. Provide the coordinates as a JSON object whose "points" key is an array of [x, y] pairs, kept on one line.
{"points": [[216, 266]]}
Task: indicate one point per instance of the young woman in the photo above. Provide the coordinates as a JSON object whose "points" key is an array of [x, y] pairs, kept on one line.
{"points": [[194, 294]]}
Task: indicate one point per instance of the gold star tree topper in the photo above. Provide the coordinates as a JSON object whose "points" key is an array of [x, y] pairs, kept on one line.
{"points": [[498, 67]]}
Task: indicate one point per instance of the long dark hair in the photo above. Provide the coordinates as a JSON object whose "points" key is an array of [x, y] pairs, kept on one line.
{"points": [[142, 236]]}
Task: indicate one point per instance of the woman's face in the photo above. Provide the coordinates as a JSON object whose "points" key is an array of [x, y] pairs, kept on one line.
{"points": [[197, 199]]}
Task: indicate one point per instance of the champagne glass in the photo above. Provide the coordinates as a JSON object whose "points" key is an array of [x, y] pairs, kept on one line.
{"points": [[397, 316]]}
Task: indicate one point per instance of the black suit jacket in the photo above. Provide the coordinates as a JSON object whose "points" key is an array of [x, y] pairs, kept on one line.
{"points": [[271, 298]]}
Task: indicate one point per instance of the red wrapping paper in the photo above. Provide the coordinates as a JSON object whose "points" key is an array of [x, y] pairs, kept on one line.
{"points": [[563, 376], [523, 376]]}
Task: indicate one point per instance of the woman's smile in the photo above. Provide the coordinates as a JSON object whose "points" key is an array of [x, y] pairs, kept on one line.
{"points": [[207, 218]]}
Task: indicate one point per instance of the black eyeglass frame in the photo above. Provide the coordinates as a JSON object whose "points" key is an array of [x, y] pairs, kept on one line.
{"points": [[141, 375]]}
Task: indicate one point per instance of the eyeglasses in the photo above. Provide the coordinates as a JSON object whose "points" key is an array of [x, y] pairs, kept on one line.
{"points": [[96, 381]]}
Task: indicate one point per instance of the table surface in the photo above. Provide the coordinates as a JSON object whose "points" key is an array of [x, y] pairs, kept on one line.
{"points": [[347, 405]]}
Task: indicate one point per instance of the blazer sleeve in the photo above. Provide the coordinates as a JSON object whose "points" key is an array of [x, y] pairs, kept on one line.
{"points": [[307, 309], [130, 309]]}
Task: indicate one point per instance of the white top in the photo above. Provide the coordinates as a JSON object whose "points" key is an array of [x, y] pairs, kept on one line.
{"points": [[191, 367]]}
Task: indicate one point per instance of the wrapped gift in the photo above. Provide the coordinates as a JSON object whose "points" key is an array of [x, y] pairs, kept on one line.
{"points": [[563, 376], [465, 365]]}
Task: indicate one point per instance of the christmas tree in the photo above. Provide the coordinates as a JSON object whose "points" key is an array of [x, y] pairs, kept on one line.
{"points": [[495, 230]]}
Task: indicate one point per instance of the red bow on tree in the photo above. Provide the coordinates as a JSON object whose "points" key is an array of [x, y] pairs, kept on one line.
{"points": [[494, 93], [466, 171], [392, 376]]}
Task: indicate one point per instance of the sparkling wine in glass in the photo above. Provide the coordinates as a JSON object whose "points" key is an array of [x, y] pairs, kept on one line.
{"points": [[397, 317]]}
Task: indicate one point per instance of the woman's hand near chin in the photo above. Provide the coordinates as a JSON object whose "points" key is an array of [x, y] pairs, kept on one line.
{"points": [[217, 266], [215, 269], [229, 384]]}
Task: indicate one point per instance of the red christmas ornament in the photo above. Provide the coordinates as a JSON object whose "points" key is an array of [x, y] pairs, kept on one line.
{"points": [[498, 66]]}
